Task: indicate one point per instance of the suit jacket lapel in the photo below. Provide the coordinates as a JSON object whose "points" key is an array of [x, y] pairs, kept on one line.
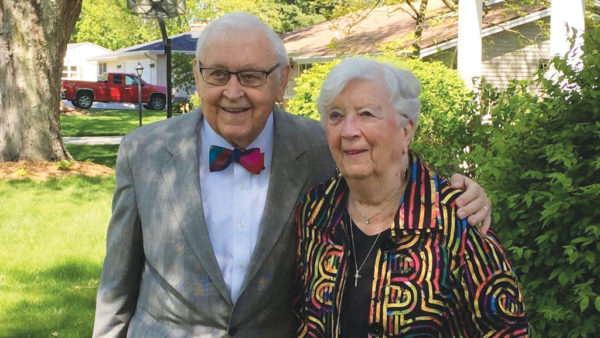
{"points": [[287, 179], [183, 190]]}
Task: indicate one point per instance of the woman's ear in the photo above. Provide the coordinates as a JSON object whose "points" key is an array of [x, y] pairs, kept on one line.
{"points": [[409, 130]]}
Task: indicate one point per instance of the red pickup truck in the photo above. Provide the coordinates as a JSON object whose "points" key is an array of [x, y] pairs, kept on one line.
{"points": [[119, 87]]}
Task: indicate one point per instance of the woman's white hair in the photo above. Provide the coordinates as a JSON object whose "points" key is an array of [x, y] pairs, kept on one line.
{"points": [[234, 22], [402, 86]]}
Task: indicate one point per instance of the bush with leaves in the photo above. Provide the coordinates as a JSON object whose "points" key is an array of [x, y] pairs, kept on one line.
{"points": [[541, 168], [447, 124], [182, 75]]}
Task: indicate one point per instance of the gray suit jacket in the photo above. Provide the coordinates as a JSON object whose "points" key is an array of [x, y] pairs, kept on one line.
{"points": [[160, 276]]}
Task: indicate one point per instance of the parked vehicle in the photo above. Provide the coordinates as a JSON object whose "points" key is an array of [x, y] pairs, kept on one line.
{"points": [[119, 87]]}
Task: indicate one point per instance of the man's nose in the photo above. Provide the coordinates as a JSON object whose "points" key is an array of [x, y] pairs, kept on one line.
{"points": [[233, 88]]}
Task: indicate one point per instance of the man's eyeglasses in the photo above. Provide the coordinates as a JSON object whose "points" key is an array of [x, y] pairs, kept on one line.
{"points": [[247, 78]]}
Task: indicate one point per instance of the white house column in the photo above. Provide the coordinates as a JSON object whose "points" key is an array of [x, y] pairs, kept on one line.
{"points": [[469, 40], [567, 16]]}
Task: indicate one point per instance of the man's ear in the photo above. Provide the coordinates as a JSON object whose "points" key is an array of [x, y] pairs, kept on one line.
{"points": [[285, 74], [195, 69]]}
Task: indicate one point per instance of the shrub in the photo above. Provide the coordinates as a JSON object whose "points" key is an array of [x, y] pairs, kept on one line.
{"points": [[445, 122], [182, 75], [308, 85], [541, 168]]}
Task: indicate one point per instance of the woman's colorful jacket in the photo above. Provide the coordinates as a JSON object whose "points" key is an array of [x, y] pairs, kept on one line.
{"points": [[434, 276]]}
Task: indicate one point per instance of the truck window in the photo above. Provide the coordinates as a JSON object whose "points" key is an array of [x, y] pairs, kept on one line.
{"points": [[117, 78], [130, 80]]}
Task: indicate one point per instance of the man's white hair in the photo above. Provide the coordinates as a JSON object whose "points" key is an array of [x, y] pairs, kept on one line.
{"points": [[234, 22]]}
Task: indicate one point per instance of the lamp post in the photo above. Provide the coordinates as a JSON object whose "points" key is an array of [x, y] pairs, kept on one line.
{"points": [[139, 69], [160, 9]]}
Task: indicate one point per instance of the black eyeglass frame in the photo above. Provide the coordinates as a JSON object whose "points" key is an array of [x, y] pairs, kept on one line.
{"points": [[237, 75]]}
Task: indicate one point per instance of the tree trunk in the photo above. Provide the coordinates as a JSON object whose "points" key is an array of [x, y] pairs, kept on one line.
{"points": [[33, 42], [419, 27]]}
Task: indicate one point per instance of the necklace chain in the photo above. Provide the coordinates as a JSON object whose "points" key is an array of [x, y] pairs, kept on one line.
{"points": [[357, 268], [366, 220]]}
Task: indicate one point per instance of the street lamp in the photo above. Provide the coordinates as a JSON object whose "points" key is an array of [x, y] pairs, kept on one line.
{"points": [[139, 69], [160, 9]]}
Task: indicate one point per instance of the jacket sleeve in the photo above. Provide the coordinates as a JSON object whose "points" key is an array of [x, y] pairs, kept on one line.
{"points": [[121, 273], [489, 285], [298, 289]]}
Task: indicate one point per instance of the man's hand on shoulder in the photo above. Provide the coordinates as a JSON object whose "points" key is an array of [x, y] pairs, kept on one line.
{"points": [[473, 204]]}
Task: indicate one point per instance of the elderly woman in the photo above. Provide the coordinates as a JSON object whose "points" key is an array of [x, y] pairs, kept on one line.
{"points": [[382, 251]]}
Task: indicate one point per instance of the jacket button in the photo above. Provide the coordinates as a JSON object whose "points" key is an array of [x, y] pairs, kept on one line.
{"points": [[375, 330], [232, 331]]}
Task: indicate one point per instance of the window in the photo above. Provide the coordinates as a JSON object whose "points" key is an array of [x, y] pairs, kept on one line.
{"points": [[117, 79], [131, 81], [101, 69], [70, 72]]}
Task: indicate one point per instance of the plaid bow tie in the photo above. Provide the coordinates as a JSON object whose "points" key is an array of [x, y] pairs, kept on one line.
{"points": [[251, 159]]}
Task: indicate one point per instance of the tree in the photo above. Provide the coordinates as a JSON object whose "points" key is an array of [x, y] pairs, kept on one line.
{"points": [[110, 24], [33, 43]]}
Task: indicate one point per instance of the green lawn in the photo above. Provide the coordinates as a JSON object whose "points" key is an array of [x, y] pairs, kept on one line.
{"points": [[107, 122], [100, 154], [52, 236]]}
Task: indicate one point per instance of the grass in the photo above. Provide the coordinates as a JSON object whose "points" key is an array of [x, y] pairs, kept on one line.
{"points": [[52, 236], [100, 154], [107, 122]]}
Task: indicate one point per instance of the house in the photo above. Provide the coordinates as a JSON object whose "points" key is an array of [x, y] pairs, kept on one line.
{"points": [[150, 55], [515, 44], [77, 64]]}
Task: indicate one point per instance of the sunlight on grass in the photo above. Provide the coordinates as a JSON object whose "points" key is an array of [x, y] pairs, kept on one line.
{"points": [[107, 122], [52, 236]]}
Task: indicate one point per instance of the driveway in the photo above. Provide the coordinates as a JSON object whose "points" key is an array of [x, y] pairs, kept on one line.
{"points": [[103, 105]]}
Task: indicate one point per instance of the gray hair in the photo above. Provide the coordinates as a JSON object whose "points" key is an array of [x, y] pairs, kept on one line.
{"points": [[402, 86], [233, 22]]}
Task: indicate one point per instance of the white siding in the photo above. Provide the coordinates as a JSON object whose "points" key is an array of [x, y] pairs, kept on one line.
{"points": [[77, 63], [514, 56]]}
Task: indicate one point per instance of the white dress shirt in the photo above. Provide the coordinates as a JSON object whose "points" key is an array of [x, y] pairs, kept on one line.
{"points": [[234, 201]]}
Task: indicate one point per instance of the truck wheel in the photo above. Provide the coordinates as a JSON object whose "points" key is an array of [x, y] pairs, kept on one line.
{"points": [[84, 100], [157, 102]]}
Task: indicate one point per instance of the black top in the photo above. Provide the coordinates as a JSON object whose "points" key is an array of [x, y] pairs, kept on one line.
{"points": [[355, 304]]}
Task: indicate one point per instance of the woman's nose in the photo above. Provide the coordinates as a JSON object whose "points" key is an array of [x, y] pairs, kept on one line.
{"points": [[351, 128]]}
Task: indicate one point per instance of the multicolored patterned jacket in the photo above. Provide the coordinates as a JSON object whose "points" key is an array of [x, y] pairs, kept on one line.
{"points": [[434, 276]]}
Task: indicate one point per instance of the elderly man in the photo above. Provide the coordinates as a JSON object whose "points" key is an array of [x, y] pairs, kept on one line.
{"points": [[201, 241]]}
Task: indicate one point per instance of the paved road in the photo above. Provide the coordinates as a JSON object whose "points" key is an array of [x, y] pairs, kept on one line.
{"points": [[92, 140]]}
